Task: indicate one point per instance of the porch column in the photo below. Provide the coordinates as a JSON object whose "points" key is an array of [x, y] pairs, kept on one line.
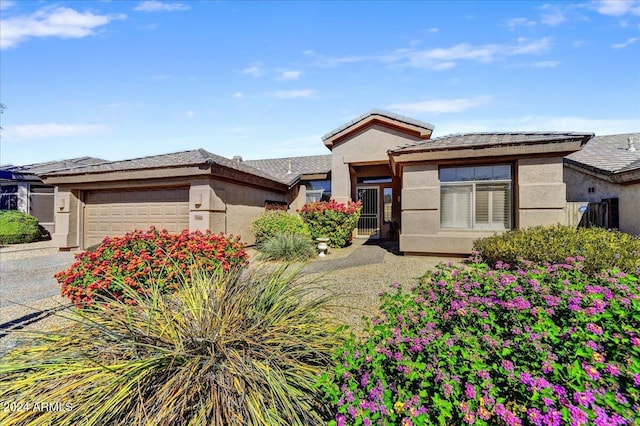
{"points": [[207, 207], [23, 197], [67, 219], [340, 180]]}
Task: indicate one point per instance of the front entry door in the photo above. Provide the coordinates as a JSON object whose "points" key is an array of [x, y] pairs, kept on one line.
{"points": [[369, 222]]}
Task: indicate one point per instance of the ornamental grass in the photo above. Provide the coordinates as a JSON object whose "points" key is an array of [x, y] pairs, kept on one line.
{"points": [[230, 348]]}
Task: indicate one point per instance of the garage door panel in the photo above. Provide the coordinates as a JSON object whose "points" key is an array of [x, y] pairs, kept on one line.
{"points": [[115, 213]]}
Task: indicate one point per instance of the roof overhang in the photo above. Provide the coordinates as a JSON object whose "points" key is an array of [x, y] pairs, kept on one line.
{"points": [[627, 177], [521, 149], [148, 175]]}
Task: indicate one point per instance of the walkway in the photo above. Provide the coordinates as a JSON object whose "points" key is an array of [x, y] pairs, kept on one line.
{"points": [[363, 252]]}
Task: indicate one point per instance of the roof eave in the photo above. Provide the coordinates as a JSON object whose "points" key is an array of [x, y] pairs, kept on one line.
{"points": [[491, 150], [625, 177]]}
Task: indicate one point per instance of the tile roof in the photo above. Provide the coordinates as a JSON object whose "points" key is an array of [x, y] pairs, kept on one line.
{"points": [[177, 159], [383, 113], [289, 169], [608, 154], [50, 166], [487, 140]]}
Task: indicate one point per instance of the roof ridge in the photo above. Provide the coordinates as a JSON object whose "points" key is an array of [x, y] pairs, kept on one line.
{"points": [[384, 113]]}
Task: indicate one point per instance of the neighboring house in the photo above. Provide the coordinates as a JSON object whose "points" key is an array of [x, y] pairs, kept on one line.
{"points": [[434, 195], [606, 173], [22, 189]]}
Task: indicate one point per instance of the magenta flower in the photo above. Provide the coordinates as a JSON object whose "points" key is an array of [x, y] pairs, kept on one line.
{"points": [[584, 398], [447, 389], [535, 416], [594, 328], [552, 418], [469, 391], [591, 371], [612, 369], [578, 417], [507, 365], [469, 417]]}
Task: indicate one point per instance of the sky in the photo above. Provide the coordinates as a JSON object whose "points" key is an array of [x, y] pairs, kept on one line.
{"points": [[126, 79]]}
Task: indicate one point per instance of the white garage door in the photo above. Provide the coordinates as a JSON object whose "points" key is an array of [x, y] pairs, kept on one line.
{"points": [[115, 212]]}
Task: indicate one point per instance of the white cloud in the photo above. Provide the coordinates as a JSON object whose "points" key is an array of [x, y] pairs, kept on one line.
{"points": [[6, 4], [59, 22], [238, 95], [290, 75], [254, 70], [160, 6], [545, 64], [189, 113], [51, 130], [553, 15], [445, 58], [617, 7], [433, 30], [438, 106], [520, 22], [627, 43], [293, 94]]}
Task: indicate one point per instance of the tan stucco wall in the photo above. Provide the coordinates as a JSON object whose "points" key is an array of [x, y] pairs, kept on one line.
{"points": [[227, 207], [578, 184], [67, 218], [540, 192], [539, 199], [368, 146]]}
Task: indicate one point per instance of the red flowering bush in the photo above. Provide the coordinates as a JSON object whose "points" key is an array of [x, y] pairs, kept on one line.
{"points": [[143, 257], [333, 220]]}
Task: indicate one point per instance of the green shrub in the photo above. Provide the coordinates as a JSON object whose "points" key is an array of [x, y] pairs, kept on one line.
{"points": [[330, 219], [600, 248], [17, 227], [139, 258], [537, 346], [274, 222], [287, 247], [226, 349]]}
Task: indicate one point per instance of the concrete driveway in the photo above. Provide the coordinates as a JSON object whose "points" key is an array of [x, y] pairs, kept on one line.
{"points": [[26, 278]]}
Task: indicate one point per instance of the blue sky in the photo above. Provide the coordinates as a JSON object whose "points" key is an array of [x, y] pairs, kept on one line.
{"points": [[125, 79]]}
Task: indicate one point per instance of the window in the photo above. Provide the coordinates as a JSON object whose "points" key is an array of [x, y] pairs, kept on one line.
{"points": [[387, 194], [9, 197], [475, 197], [318, 190]]}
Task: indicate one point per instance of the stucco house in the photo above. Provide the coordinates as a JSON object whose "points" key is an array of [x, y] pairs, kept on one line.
{"points": [[435, 195], [194, 190], [606, 173], [22, 189]]}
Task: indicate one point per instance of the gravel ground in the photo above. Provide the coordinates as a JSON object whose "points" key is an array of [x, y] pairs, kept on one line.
{"points": [[361, 284], [357, 273]]}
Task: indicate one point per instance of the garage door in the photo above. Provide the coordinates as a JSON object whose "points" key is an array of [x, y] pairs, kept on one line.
{"points": [[116, 212]]}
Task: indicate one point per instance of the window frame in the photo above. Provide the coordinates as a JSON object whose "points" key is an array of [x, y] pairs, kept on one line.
{"points": [[473, 183]]}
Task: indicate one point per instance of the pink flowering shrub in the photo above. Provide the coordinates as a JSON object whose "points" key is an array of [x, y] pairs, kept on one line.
{"points": [[139, 258], [333, 220], [540, 345]]}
